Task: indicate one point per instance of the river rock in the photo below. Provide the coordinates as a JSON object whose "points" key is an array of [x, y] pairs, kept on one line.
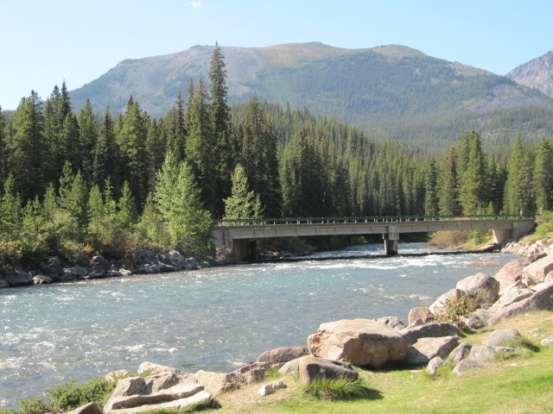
{"points": [[466, 365], [271, 388], [282, 354], [500, 336], [52, 267], [439, 307], [249, 374], [4, 284], [215, 382], [474, 320], [481, 287], [460, 352], [542, 300], [90, 408], [487, 353], [151, 368], [433, 365], [362, 342], [514, 293], [391, 322], [436, 329], [312, 368], [72, 273], [422, 351], [512, 271], [536, 272], [40, 279], [420, 313], [289, 367], [116, 375], [19, 278]]}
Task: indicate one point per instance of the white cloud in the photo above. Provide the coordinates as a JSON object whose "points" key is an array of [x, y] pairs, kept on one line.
{"points": [[196, 4]]}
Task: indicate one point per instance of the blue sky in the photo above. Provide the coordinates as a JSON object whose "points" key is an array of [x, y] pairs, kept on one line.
{"points": [[43, 42]]}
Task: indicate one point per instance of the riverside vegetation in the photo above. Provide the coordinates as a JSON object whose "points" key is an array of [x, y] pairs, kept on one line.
{"points": [[77, 185]]}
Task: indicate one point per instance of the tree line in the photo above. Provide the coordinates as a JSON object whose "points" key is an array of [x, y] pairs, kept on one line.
{"points": [[75, 183]]}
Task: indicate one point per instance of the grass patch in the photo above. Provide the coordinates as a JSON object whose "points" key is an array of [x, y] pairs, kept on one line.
{"points": [[338, 389]]}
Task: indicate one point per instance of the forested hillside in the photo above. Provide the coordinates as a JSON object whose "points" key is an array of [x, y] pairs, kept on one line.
{"points": [[76, 183], [392, 92]]}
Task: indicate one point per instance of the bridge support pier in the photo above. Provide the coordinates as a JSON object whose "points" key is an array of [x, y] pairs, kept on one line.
{"points": [[391, 241], [244, 249], [500, 236]]}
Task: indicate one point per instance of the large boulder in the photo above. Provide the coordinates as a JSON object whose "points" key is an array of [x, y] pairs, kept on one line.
{"points": [[214, 382], [466, 365], [90, 408], [422, 351], [420, 314], [500, 336], [536, 272], [431, 330], [515, 293], [391, 322], [460, 352], [542, 300], [248, 374], [487, 353], [312, 368], [4, 284], [19, 278], [362, 342], [481, 287], [512, 271], [282, 354]]}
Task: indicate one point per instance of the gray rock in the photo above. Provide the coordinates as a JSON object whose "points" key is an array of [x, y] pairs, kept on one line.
{"points": [[487, 353], [541, 300], [391, 322], [481, 287], [422, 351], [547, 341], [434, 364], [517, 292], [19, 278], [40, 279], [151, 368], [215, 382], [249, 374], [466, 365], [431, 330], [72, 273], [362, 342], [90, 408], [473, 321], [500, 336], [420, 313], [461, 352], [536, 272], [289, 367], [512, 272], [4, 284], [312, 368], [271, 388], [282, 354]]}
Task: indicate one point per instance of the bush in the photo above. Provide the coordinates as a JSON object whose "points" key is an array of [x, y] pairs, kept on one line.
{"points": [[71, 395], [337, 389], [445, 239], [35, 406]]}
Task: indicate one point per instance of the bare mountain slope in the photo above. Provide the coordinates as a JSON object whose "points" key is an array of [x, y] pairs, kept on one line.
{"points": [[538, 74]]}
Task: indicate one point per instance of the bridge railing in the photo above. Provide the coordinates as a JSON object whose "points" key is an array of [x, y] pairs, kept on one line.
{"points": [[365, 219]]}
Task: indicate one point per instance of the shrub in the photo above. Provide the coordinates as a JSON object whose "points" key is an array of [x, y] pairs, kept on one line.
{"points": [[71, 395], [456, 309], [35, 406], [337, 389]]}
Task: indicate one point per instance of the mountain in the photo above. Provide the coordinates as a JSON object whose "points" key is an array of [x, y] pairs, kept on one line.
{"points": [[391, 91], [537, 73]]}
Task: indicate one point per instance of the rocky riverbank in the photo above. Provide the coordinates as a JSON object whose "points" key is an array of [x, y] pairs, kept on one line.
{"points": [[429, 338]]}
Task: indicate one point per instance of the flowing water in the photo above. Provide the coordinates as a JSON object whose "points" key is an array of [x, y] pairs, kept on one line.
{"points": [[213, 319]]}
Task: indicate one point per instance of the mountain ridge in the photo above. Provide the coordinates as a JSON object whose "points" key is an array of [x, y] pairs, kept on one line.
{"points": [[380, 89]]}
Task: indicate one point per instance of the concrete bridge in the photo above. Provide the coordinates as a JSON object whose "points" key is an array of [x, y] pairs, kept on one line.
{"points": [[240, 235]]}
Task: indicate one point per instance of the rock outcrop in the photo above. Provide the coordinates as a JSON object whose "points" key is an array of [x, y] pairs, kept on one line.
{"points": [[312, 368]]}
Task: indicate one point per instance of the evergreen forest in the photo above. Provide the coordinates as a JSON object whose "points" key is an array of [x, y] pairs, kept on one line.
{"points": [[76, 182]]}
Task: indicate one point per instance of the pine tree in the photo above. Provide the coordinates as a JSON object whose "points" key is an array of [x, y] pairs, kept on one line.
{"points": [[10, 210], [131, 140], [473, 195], [88, 138], [225, 148], [449, 186], [543, 175], [107, 158], [26, 149], [3, 150], [200, 145], [178, 200], [176, 130], [242, 202], [519, 197], [431, 185]]}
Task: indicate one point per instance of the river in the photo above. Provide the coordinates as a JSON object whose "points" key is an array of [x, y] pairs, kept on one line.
{"points": [[213, 319]]}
